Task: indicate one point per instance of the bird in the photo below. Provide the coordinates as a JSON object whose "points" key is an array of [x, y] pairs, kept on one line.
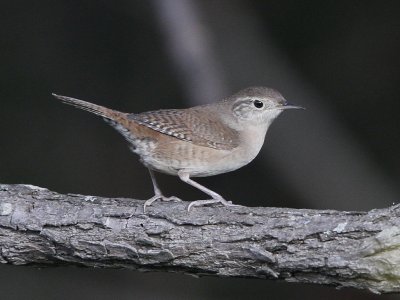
{"points": [[199, 141]]}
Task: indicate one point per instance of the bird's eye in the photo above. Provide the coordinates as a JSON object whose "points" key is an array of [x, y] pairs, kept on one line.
{"points": [[258, 103]]}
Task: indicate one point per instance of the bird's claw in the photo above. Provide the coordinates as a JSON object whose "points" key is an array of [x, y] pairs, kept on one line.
{"points": [[211, 201], [150, 201]]}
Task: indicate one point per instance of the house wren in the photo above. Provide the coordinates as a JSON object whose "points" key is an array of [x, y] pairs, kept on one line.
{"points": [[199, 141]]}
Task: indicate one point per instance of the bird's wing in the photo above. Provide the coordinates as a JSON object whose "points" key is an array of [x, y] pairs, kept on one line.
{"points": [[190, 125]]}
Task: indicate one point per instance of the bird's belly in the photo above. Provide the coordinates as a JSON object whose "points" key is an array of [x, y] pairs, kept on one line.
{"points": [[198, 161]]}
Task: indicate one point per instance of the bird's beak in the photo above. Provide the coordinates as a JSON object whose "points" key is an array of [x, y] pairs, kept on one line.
{"points": [[288, 105]]}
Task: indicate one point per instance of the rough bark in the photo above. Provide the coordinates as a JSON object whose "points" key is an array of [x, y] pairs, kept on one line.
{"points": [[344, 249]]}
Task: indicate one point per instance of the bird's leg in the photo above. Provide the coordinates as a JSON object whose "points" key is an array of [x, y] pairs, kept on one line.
{"points": [[157, 193], [216, 198]]}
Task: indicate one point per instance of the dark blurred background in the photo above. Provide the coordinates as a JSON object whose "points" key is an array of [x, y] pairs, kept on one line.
{"points": [[339, 59]]}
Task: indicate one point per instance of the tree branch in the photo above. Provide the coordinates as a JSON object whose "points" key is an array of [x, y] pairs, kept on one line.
{"points": [[344, 249]]}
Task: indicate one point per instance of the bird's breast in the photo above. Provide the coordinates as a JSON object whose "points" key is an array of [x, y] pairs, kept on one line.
{"points": [[251, 142], [199, 161], [169, 155]]}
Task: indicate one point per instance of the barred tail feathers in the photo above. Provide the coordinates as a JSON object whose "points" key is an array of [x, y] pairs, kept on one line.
{"points": [[90, 107], [114, 118]]}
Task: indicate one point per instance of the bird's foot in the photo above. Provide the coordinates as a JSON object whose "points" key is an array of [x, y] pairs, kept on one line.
{"points": [[211, 201], [159, 197]]}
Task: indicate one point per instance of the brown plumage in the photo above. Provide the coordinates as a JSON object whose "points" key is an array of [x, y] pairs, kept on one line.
{"points": [[199, 141], [191, 125]]}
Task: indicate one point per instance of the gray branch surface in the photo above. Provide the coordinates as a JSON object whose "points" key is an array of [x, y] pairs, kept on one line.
{"points": [[344, 249]]}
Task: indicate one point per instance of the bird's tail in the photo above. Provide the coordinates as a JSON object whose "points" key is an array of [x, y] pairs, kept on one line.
{"points": [[90, 107], [116, 119]]}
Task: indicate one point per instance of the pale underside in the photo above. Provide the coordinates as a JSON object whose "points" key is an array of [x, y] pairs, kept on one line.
{"points": [[195, 142]]}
